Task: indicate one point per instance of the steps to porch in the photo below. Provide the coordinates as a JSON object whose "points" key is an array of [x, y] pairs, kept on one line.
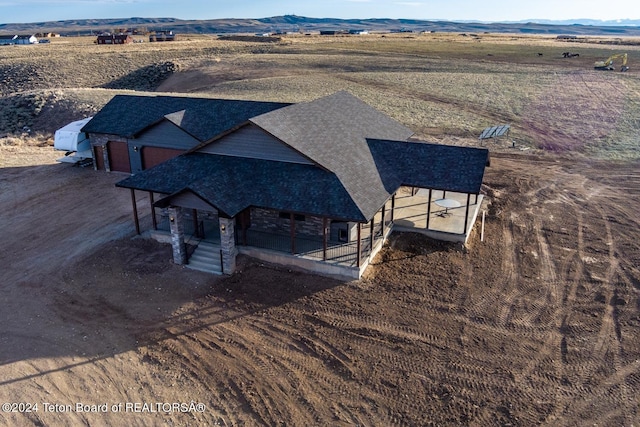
{"points": [[206, 257]]}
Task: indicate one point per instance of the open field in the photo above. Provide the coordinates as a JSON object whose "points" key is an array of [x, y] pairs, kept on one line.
{"points": [[442, 85], [536, 325]]}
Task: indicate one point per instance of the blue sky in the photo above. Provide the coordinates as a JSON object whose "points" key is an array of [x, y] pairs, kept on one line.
{"points": [[22, 11]]}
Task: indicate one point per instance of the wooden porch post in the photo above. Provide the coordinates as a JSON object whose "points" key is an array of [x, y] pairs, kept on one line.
{"points": [[476, 198], [466, 213], [429, 208], [194, 214], [293, 233], [324, 238], [359, 245], [135, 211], [154, 220], [246, 217], [371, 235], [393, 206], [383, 209]]}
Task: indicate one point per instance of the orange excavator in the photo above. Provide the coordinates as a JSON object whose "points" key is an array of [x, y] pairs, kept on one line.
{"points": [[607, 64]]}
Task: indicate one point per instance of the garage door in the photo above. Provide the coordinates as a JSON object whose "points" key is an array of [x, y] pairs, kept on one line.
{"points": [[152, 156], [119, 156], [98, 154]]}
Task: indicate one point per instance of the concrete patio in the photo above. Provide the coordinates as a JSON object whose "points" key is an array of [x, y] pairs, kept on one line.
{"points": [[412, 211]]}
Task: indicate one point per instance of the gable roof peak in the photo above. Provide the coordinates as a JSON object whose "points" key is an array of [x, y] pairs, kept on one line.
{"points": [[332, 132], [176, 117]]}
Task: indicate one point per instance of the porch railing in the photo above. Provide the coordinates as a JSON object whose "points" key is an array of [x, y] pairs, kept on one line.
{"points": [[304, 245]]}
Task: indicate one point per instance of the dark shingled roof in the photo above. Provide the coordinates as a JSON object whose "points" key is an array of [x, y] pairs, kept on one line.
{"points": [[203, 118], [440, 167], [362, 158], [333, 131], [232, 184]]}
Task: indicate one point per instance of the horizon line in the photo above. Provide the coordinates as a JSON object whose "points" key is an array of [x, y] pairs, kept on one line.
{"points": [[521, 21]]}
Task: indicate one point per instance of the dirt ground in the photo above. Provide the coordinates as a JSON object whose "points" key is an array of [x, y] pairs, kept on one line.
{"points": [[536, 325]]}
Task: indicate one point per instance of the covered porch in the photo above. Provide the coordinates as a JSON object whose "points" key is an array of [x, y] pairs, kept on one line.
{"points": [[319, 244], [439, 214]]}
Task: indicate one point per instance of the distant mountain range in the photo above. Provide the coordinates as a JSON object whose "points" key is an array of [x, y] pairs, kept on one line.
{"points": [[293, 23], [592, 22]]}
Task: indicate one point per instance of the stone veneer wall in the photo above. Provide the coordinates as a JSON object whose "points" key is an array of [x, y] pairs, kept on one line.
{"points": [[270, 221], [228, 245], [177, 236]]}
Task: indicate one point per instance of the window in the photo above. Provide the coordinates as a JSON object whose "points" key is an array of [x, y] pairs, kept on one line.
{"points": [[287, 215]]}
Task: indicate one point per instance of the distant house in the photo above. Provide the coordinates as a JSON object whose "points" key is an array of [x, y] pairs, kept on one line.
{"points": [[332, 32], [312, 185], [7, 39], [26, 39], [47, 35], [18, 39], [114, 39], [162, 36]]}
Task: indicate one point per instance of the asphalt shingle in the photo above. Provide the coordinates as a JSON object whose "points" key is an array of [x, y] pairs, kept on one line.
{"points": [[333, 132], [204, 118], [232, 184], [362, 158], [435, 166]]}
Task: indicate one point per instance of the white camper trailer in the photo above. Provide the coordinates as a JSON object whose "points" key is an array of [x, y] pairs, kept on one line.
{"points": [[74, 142]]}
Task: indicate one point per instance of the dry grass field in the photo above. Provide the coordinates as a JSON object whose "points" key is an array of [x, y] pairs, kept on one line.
{"points": [[536, 325]]}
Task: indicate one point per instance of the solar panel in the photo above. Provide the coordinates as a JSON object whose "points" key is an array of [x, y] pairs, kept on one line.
{"points": [[494, 131]]}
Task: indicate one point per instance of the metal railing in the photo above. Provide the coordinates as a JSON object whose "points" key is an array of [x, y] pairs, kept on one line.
{"points": [[265, 240], [303, 245]]}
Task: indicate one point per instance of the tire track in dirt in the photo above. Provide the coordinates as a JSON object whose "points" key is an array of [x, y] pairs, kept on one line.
{"points": [[462, 370], [599, 401], [610, 327], [250, 370], [512, 277], [552, 350], [369, 336], [292, 361], [505, 289], [555, 341], [354, 323], [605, 345], [559, 295]]}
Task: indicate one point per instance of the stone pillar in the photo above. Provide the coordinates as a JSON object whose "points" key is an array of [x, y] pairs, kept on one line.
{"points": [[228, 244], [177, 235], [105, 157]]}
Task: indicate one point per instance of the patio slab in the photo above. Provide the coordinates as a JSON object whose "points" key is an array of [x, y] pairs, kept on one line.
{"points": [[411, 211]]}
